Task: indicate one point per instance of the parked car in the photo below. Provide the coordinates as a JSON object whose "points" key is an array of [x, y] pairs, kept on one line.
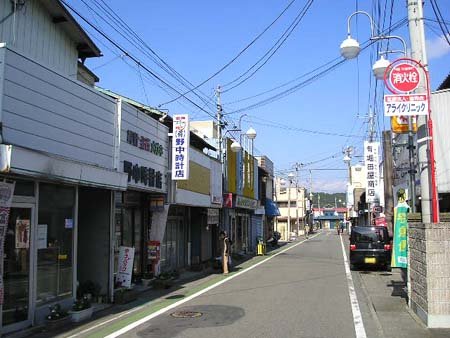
{"points": [[370, 245]]}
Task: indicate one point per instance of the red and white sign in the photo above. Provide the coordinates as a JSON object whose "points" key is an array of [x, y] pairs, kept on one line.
{"points": [[405, 105], [404, 77], [125, 268]]}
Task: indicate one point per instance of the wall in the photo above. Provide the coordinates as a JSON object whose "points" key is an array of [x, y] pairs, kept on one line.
{"points": [[94, 236], [429, 246], [56, 115], [36, 36], [440, 107]]}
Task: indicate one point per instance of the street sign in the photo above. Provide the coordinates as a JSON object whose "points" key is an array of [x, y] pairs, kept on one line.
{"points": [[404, 77], [405, 105]]}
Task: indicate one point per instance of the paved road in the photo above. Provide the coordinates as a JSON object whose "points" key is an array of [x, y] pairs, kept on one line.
{"points": [[302, 292]]}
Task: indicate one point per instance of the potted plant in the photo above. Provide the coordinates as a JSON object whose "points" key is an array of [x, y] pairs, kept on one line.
{"points": [[56, 318], [163, 281], [81, 310], [123, 295]]}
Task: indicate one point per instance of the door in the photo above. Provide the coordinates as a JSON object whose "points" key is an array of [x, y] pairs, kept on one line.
{"points": [[16, 310]]}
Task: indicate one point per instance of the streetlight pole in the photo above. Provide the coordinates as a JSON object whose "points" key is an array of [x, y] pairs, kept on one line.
{"points": [[418, 52], [290, 178]]}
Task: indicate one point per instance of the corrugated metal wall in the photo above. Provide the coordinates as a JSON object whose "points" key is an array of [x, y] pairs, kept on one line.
{"points": [[31, 32], [440, 110]]}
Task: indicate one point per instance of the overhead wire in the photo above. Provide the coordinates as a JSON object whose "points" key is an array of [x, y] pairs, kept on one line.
{"points": [[271, 52], [237, 56], [437, 12]]}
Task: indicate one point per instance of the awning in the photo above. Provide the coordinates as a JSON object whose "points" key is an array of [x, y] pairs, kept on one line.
{"points": [[271, 208]]}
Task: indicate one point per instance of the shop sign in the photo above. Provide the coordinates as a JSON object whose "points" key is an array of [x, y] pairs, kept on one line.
{"points": [[246, 203], [154, 250], [405, 105], [260, 211], [400, 125], [228, 200], [6, 196], [180, 147], [125, 268], [213, 216], [372, 169], [157, 203], [144, 175], [144, 143], [400, 242]]}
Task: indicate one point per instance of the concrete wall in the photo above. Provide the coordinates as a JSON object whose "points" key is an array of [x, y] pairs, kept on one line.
{"points": [[429, 246]]}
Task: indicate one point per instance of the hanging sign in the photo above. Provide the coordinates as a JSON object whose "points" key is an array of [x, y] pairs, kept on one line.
{"points": [[399, 124], [6, 196], [400, 243], [125, 268], [373, 172], [405, 105], [180, 147]]}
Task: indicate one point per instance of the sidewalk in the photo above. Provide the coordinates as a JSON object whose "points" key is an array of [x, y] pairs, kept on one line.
{"points": [[148, 301], [387, 297]]}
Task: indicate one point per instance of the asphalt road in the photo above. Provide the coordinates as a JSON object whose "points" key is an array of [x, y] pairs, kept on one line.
{"points": [[302, 292]]}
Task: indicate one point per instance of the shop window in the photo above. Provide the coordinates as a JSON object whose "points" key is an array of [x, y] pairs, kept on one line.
{"points": [[24, 188], [55, 242]]}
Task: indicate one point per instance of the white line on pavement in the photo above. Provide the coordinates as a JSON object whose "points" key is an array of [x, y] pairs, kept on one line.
{"points": [[195, 295], [357, 317]]}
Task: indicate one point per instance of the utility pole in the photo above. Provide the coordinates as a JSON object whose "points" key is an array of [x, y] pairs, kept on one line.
{"points": [[219, 123], [289, 212], [418, 52], [297, 165]]}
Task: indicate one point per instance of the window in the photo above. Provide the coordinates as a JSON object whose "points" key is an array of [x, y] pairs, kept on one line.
{"points": [[54, 261]]}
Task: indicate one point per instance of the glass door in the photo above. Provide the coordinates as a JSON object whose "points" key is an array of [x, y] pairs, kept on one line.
{"points": [[16, 267]]}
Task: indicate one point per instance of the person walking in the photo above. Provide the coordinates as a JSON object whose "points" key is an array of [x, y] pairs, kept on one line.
{"points": [[225, 246]]}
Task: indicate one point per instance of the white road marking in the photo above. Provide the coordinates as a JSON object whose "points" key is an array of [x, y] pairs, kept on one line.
{"points": [[357, 317], [195, 295]]}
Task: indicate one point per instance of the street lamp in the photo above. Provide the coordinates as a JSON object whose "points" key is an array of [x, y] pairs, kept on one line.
{"points": [[350, 47]]}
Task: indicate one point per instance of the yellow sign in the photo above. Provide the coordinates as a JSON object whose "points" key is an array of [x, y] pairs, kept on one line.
{"points": [[399, 124], [199, 179]]}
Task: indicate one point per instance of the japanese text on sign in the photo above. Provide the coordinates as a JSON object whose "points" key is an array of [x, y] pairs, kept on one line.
{"points": [[180, 147], [372, 169], [404, 77], [405, 105], [143, 175]]}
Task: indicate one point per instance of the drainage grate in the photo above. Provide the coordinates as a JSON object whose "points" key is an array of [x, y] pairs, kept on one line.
{"points": [[186, 314]]}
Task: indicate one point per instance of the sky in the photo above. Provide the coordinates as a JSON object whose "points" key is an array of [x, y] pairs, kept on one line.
{"points": [[319, 116]]}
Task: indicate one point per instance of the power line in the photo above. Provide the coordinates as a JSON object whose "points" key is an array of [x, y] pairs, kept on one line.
{"points": [[134, 59], [272, 50], [437, 12], [237, 56]]}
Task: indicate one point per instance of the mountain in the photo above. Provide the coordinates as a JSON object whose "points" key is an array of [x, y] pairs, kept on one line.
{"points": [[329, 200]]}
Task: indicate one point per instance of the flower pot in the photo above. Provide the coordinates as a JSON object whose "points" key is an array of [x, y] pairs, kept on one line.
{"points": [[78, 316]]}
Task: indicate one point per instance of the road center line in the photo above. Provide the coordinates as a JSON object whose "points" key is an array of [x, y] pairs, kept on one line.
{"points": [[357, 317], [197, 294]]}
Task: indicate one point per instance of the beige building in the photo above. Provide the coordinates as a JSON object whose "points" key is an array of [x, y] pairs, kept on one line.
{"points": [[291, 202]]}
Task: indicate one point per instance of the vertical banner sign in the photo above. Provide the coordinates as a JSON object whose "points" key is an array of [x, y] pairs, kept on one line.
{"points": [[373, 171], [400, 250], [180, 147], [125, 268], [6, 196]]}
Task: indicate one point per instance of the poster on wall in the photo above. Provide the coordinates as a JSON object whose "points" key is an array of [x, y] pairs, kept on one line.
{"points": [[6, 196], [125, 268], [180, 147], [42, 236], [22, 233]]}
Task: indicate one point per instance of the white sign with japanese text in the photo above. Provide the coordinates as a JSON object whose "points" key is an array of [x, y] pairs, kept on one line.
{"points": [[371, 150], [125, 268], [405, 105], [180, 147]]}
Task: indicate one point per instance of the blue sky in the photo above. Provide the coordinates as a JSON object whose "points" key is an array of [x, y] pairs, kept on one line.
{"points": [[197, 38]]}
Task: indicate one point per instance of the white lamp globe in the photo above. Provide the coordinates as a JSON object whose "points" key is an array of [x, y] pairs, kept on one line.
{"points": [[350, 48], [251, 133], [291, 176], [379, 67], [235, 147]]}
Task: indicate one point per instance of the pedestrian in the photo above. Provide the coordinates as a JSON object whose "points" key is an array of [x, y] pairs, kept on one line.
{"points": [[225, 246], [342, 227]]}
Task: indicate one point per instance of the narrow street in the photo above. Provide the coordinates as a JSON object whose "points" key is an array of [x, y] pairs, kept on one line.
{"points": [[300, 292]]}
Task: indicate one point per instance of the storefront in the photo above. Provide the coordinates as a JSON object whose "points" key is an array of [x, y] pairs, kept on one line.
{"points": [[144, 158]]}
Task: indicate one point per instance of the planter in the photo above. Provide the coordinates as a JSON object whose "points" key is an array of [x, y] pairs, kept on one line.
{"points": [[78, 316], [162, 283], [124, 296], [53, 324]]}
